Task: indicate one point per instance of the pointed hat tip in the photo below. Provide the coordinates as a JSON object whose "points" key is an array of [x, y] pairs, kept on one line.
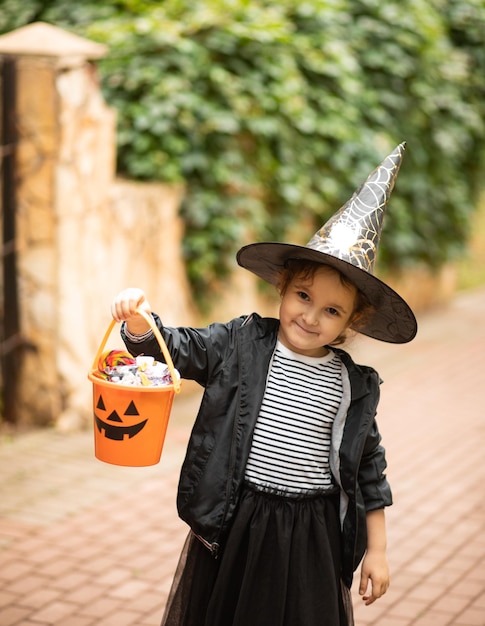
{"points": [[396, 157]]}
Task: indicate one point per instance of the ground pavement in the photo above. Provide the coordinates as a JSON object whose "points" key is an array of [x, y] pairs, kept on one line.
{"points": [[84, 543]]}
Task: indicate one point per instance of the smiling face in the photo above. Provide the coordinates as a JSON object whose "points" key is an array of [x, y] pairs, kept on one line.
{"points": [[315, 310]]}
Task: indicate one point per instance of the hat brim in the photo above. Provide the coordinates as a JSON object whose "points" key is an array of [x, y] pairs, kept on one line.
{"points": [[392, 319]]}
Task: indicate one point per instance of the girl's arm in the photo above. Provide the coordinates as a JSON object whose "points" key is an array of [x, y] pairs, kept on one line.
{"points": [[196, 353], [375, 569]]}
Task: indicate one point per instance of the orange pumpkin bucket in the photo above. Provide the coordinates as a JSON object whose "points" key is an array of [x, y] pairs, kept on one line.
{"points": [[130, 422]]}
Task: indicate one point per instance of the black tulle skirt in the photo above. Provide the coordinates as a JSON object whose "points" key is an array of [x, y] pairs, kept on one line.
{"points": [[280, 567]]}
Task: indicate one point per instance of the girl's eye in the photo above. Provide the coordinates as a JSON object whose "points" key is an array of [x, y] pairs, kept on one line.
{"points": [[332, 311], [303, 295]]}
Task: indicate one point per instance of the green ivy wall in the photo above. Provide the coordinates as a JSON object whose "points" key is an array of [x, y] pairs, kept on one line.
{"points": [[272, 113]]}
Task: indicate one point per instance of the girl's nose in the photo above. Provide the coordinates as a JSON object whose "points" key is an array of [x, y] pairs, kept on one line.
{"points": [[310, 317]]}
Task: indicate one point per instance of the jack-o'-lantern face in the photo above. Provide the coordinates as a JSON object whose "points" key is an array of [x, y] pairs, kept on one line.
{"points": [[114, 426]]}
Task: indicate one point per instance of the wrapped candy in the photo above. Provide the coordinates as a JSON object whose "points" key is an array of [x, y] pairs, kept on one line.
{"points": [[122, 368]]}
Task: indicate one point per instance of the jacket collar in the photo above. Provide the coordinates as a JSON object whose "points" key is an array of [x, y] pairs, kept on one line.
{"points": [[361, 376]]}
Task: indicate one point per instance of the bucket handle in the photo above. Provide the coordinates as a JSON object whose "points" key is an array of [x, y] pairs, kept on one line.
{"points": [[163, 346]]}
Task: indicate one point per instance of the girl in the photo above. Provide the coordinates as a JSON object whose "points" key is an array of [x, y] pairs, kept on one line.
{"points": [[283, 483]]}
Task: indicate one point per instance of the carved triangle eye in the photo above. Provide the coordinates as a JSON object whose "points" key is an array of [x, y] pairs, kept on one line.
{"points": [[100, 404], [131, 410]]}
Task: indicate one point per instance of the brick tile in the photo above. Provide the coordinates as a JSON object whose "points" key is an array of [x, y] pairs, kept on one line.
{"points": [[126, 550], [444, 576], [468, 588], [87, 551], [128, 590], [471, 617], [480, 600], [13, 569], [57, 567], [479, 574], [141, 562], [154, 618], [85, 593], [121, 618], [75, 620], [369, 614], [98, 564], [401, 580], [55, 612], [32, 546], [433, 618], [423, 565], [149, 601], [409, 608], [39, 598], [70, 581], [13, 615], [475, 547], [13, 530], [28, 584], [452, 604], [114, 576], [100, 607], [7, 598], [165, 586], [461, 563], [159, 573], [391, 620]]}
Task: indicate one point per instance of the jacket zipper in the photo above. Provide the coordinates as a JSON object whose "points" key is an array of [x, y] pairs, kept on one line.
{"points": [[214, 548]]}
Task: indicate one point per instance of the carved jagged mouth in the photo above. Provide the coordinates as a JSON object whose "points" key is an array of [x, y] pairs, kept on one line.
{"points": [[118, 433]]}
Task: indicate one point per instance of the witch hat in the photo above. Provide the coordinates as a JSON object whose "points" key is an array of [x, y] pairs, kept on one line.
{"points": [[348, 242]]}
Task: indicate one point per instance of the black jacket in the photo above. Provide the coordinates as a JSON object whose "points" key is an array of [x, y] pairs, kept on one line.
{"points": [[231, 362]]}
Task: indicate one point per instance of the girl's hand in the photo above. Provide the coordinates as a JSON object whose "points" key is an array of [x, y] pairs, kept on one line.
{"points": [[374, 571], [123, 309]]}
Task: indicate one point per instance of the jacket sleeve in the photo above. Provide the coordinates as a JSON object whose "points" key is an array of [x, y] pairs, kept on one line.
{"points": [[372, 479], [197, 353]]}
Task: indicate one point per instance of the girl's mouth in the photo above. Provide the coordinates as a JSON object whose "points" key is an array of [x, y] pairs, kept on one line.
{"points": [[305, 330]]}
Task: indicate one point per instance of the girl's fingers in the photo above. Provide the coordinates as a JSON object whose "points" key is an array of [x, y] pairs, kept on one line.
{"points": [[124, 305]]}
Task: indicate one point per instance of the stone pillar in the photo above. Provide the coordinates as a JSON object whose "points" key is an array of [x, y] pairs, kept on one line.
{"points": [[65, 163], [82, 234]]}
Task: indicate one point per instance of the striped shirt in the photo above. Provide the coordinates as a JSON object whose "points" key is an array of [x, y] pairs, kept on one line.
{"points": [[291, 440]]}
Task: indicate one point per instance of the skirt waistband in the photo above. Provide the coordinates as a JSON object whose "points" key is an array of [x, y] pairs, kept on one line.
{"points": [[293, 495]]}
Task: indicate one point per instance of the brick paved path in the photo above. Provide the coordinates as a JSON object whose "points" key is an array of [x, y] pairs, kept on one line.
{"points": [[83, 543]]}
